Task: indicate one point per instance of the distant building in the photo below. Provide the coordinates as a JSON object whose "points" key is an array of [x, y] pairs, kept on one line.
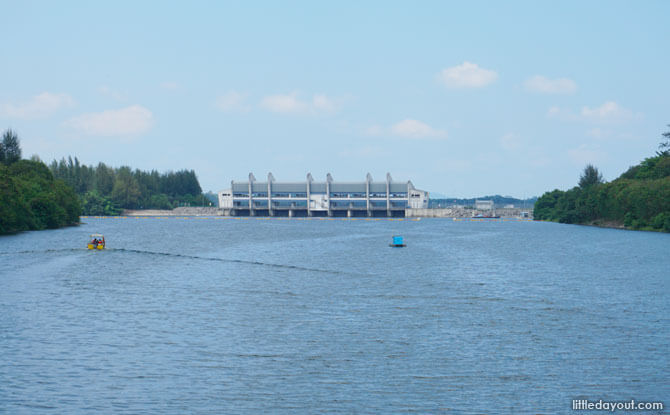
{"points": [[510, 206], [484, 204], [329, 198]]}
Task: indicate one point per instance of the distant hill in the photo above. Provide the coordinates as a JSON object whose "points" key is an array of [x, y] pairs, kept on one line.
{"points": [[499, 201]]}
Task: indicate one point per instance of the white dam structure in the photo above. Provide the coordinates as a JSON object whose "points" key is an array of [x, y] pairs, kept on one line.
{"points": [[367, 198]]}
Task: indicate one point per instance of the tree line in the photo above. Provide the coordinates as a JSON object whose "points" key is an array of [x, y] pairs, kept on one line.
{"points": [[30, 197], [107, 190], [638, 199]]}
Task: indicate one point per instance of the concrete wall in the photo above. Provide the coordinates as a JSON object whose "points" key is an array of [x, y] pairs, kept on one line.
{"points": [[435, 213], [196, 211]]}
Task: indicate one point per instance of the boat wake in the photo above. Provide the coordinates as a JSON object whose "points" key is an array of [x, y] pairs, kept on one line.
{"points": [[170, 254], [235, 261]]}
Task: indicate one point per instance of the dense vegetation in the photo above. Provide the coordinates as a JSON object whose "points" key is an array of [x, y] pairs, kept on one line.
{"points": [[30, 197], [638, 199], [106, 191]]}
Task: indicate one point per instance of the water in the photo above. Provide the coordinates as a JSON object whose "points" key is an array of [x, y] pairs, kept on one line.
{"points": [[249, 316]]}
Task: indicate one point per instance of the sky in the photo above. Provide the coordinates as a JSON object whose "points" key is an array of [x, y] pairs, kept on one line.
{"points": [[463, 98]]}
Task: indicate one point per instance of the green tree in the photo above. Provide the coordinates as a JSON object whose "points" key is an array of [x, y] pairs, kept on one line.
{"points": [[104, 179], [160, 201], [30, 198], [94, 204], [664, 147], [14, 212], [591, 176], [10, 149], [126, 192], [126, 188]]}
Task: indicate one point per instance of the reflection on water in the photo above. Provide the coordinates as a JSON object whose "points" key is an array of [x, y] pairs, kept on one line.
{"points": [[252, 316]]}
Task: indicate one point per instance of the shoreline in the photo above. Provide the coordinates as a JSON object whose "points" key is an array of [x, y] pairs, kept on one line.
{"points": [[201, 212], [180, 211], [412, 214], [608, 225]]}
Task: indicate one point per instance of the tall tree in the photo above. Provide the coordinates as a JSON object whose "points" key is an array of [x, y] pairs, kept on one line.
{"points": [[104, 179], [664, 147], [590, 176], [10, 150], [126, 192]]}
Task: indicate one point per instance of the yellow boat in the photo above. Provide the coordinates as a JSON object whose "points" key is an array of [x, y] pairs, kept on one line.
{"points": [[97, 241]]}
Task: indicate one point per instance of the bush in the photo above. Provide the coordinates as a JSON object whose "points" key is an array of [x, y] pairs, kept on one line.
{"points": [[159, 201], [659, 221], [93, 204], [628, 220], [30, 199]]}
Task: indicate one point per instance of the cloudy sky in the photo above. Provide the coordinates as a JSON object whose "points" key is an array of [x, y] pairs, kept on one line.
{"points": [[463, 98]]}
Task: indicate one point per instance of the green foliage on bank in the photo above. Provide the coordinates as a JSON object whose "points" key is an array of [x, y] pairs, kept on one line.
{"points": [[30, 197], [107, 191], [638, 199]]}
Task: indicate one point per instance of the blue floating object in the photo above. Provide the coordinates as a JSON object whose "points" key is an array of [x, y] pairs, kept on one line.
{"points": [[397, 242]]}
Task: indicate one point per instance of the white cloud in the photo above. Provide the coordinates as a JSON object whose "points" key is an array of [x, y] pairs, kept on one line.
{"points": [[414, 129], [170, 86], [408, 128], [610, 134], [105, 90], [555, 111], [39, 106], [609, 111], [467, 75], [374, 130], [564, 114], [597, 133], [510, 141], [292, 104], [585, 154], [321, 102], [285, 104], [127, 121], [232, 101], [544, 85]]}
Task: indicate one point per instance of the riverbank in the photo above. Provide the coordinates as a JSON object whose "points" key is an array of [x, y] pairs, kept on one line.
{"points": [[455, 213], [620, 225], [180, 211]]}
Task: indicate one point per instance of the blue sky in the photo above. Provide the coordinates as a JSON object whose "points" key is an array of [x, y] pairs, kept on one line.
{"points": [[463, 98]]}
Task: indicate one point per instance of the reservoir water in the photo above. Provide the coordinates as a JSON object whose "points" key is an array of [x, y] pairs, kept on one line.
{"points": [[250, 316]]}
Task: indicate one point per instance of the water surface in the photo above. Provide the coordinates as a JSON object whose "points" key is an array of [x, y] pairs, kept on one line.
{"points": [[222, 315]]}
